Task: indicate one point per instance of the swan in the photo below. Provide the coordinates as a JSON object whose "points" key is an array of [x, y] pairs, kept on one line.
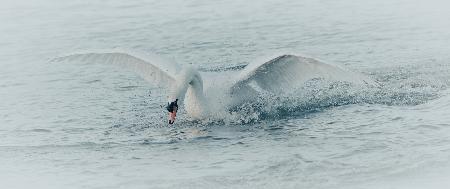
{"points": [[185, 84]]}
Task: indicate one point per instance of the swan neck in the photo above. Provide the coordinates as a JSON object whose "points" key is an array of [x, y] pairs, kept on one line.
{"points": [[189, 78]]}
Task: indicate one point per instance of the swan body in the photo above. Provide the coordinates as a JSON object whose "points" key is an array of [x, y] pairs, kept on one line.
{"points": [[278, 75]]}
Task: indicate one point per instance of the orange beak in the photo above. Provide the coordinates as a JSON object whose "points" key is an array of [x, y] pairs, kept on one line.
{"points": [[172, 116]]}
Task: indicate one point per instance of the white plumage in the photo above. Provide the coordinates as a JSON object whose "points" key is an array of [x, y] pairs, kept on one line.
{"points": [[279, 75]]}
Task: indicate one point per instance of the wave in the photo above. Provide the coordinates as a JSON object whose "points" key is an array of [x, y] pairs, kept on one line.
{"points": [[405, 88]]}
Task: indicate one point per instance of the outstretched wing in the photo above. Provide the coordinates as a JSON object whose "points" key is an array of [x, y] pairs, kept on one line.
{"points": [[287, 72], [152, 73]]}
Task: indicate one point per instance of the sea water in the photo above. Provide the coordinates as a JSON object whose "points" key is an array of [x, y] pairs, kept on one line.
{"points": [[71, 125]]}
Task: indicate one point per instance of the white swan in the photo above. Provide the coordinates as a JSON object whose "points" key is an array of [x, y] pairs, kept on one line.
{"points": [[278, 75]]}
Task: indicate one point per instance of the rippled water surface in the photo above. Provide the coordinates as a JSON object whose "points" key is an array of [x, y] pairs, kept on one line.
{"points": [[71, 125]]}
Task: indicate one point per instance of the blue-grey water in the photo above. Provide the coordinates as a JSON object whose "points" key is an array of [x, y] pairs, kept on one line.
{"points": [[70, 125]]}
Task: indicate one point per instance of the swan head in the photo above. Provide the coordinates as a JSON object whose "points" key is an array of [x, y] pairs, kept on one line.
{"points": [[172, 107]]}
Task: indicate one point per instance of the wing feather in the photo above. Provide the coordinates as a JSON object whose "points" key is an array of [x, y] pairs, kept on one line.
{"points": [[154, 74], [288, 71]]}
